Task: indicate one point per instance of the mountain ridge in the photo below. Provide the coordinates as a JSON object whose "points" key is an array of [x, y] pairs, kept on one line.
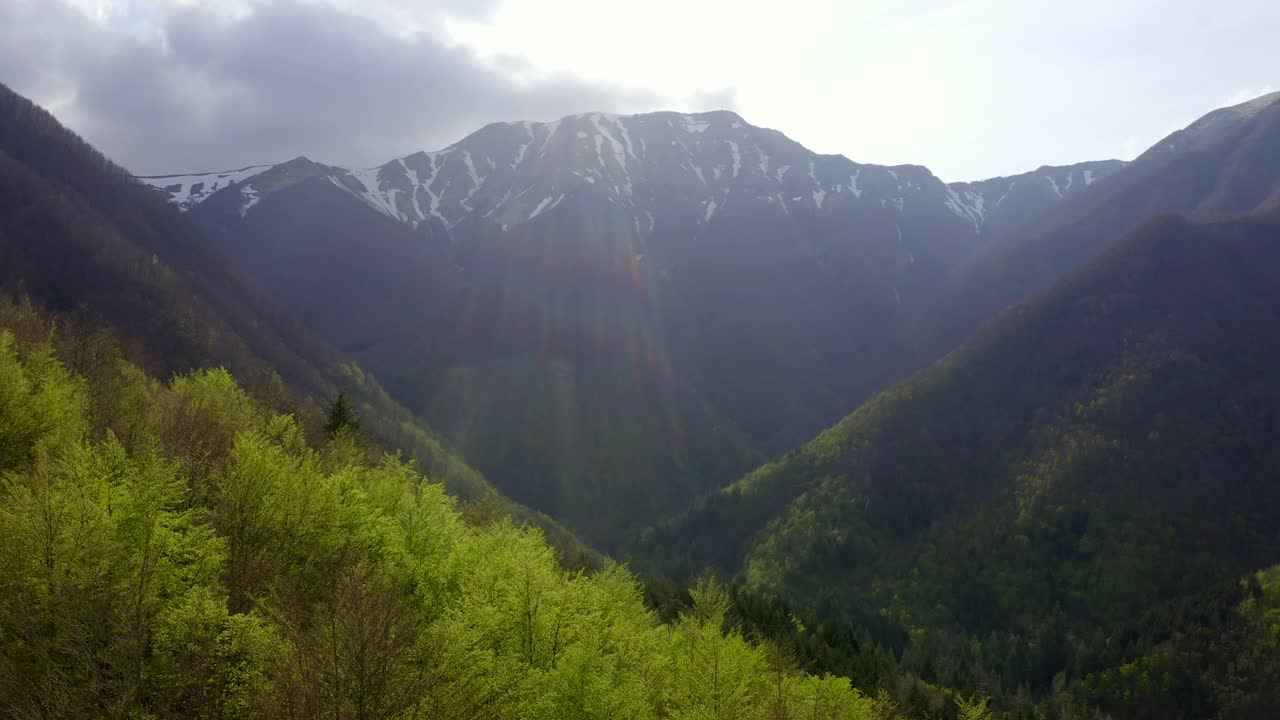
{"points": [[388, 194], [1063, 240], [727, 271], [721, 286]]}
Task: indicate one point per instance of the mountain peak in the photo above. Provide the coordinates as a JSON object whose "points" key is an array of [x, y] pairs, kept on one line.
{"points": [[719, 116], [1249, 108], [1214, 127], [301, 161], [716, 117], [589, 122]]}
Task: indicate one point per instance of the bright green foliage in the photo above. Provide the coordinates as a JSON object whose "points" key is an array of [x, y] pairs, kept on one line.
{"points": [[178, 550], [974, 708], [41, 405], [98, 551]]}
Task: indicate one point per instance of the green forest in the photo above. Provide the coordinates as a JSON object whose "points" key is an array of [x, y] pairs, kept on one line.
{"points": [[177, 549]]}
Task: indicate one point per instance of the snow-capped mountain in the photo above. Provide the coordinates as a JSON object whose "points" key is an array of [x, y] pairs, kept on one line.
{"points": [[686, 291], [187, 191], [651, 165], [1001, 205], [611, 312]]}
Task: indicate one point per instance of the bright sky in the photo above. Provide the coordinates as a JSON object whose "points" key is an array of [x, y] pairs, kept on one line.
{"points": [[969, 88]]}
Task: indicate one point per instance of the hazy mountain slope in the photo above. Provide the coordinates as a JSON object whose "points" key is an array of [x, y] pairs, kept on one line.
{"points": [[543, 371], [1099, 450], [80, 231], [78, 234], [353, 274], [1225, 163]]}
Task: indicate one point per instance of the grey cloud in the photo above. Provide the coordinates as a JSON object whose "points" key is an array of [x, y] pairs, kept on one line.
{"points": [[290, 78], [470, 9]]}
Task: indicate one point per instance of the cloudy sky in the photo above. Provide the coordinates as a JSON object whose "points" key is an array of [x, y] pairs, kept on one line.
{"points": [[971, 88]]}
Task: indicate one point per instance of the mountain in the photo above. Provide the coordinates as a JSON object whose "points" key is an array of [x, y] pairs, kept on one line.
{"points": [[1219, 165], [82, 238], [187, 191], [612, 314], [1225, 163], [509, 173], [1001, 206], [1105, 448]]}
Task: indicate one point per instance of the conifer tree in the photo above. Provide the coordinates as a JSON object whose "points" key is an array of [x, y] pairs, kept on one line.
{"points": [[341, 416]]}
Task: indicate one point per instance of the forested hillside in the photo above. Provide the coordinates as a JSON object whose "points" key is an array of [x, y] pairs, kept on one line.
{"points": [[79, 234], [176, 549], [1102, 453]]}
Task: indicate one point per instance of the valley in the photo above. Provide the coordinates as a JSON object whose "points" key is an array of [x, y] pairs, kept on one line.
{"points": [[653, 415]]}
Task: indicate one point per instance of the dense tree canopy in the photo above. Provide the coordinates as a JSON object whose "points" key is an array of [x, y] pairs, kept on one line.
{"points": [[177, 549]]}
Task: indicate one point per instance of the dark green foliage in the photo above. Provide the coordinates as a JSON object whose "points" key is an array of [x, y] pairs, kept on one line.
{"points": [[342, 416], [1103, 450], [1217, 654]]}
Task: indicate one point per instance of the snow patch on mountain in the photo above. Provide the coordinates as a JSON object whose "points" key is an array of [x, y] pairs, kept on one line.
{"points": [[853, 184], [250, 196], [551, 129], [695, 125], [1054, 184], [546, 205], [603, 136], [476, 182], [968, 206], [372, 190], [523, 150], [187, 191], [710, 210]]}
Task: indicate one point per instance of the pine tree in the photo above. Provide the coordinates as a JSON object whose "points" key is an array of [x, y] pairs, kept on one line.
{"points": [[341, 416]]}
